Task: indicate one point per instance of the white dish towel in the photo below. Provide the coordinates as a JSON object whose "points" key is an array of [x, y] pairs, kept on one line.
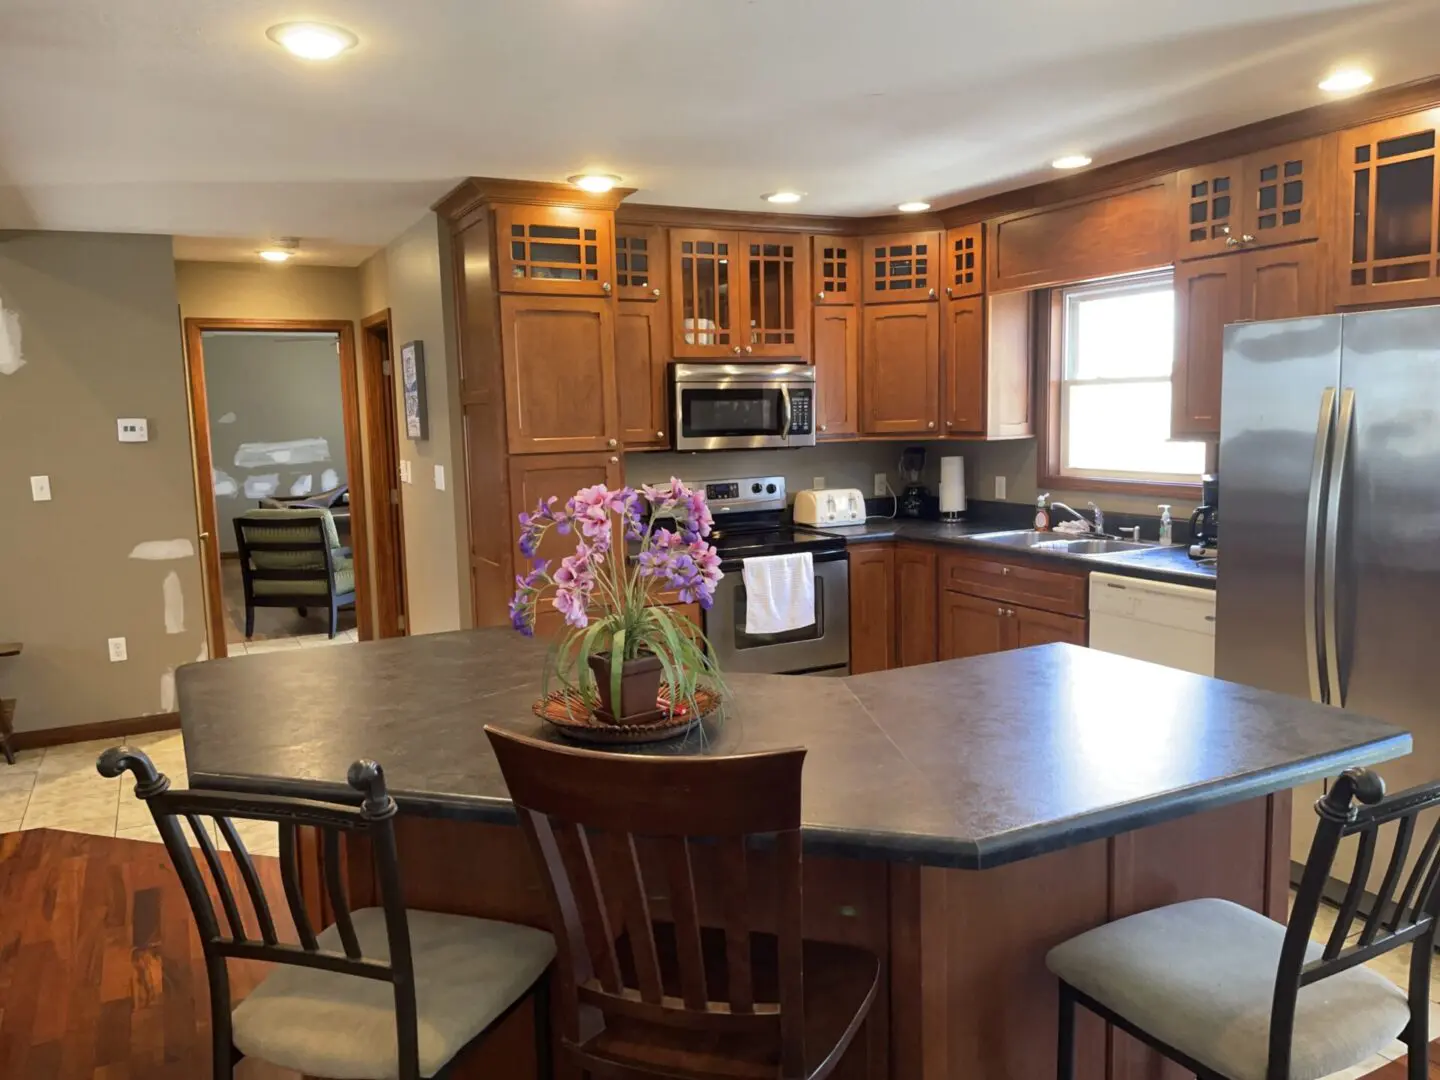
{"points": [[779, 593]]}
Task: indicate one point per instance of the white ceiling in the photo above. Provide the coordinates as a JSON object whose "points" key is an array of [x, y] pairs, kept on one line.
{"points": [[180, 117]]}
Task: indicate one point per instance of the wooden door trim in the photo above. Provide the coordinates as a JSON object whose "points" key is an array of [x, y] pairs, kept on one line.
{"points": [[382, 437], [203, 455]]}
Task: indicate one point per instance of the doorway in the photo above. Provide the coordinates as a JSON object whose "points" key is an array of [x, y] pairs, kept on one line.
{"points": [[382, 443], [264, 466]]}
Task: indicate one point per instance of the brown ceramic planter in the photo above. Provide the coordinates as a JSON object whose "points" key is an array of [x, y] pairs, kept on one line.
{"points": [[639, 687]]}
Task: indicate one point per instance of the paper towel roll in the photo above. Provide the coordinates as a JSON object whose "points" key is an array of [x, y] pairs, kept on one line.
{"points": [[952, 487]]}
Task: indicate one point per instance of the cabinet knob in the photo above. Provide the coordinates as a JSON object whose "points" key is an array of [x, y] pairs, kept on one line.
{"points": [[610, 442], [930, 423], [932, 292], [949, 423], [1000, 611], [605, 286], [654, 292], [659, 434], [1004, 570], [949, 291], [822, 427], [749, 348], [614, 460], [736, 350], [1231, 241], [1246, 238], [819, 296], [1010, 612]]}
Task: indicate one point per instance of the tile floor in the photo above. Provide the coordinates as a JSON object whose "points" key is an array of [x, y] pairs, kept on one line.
{"points": [[272, 624], [306, 641]]}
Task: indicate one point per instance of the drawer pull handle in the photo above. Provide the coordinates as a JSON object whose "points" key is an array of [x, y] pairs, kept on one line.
{"points": [[1004, 570], [1209, 618], [1112, 585]]}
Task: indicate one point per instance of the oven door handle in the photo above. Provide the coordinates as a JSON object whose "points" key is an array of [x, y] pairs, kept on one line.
{"points": [[785, 401]]}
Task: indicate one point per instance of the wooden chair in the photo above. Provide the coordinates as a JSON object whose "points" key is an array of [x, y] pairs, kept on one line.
{"points": [[649, 986], [293, 558], [383, 992], [1232, 995]]}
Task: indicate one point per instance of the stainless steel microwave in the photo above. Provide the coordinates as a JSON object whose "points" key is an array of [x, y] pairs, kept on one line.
{"points": [[742, 406]]}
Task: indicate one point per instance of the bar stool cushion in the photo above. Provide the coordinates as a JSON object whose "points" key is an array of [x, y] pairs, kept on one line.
{"points": [[1200, 975], [323, 1023]]}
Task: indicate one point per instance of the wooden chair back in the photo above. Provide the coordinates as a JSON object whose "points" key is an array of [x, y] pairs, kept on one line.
{"points": [[1394, 921], [583, 814], [372, 817]]}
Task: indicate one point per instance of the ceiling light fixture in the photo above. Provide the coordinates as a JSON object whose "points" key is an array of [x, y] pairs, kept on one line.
{"points": [[1344, 80], [595, 183], [275, 255], [312, 41], [782, 197], [913, 207], [1071, 161]]}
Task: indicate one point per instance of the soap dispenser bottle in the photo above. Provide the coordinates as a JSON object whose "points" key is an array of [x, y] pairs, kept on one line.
{"points": [[1042, 514], [1167, 527]]}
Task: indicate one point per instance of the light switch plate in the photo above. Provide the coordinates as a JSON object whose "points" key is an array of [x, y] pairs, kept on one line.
{"points": [[999, 487], [117, 650], [439, 477], [40, 488], [133, 430], [404, 471]]}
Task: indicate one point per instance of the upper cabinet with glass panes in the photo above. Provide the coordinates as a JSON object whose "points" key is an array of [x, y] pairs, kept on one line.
{"points": [[558, 250], [738, 295], [904, 266], [1270, 197]]}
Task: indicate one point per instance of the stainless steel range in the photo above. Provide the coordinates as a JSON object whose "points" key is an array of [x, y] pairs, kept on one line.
{"points": [[748, 523]]}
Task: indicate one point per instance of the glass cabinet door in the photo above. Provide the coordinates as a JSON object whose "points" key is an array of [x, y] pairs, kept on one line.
{"points": [[964, 271], [836, 274], [1211, 209], [777, 294], [559, 250], [704, 304], [1282, 191], [905, 266], [639, 262]]}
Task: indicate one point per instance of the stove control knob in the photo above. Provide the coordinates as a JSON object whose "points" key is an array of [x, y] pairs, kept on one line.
{"points": [[770, 489], [755, 489]]}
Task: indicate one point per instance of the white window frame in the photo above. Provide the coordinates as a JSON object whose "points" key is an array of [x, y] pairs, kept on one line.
{"points": [[1069, 296]]}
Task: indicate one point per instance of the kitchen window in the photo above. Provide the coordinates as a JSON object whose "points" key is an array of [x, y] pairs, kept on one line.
{"points": [[1112, 348]]}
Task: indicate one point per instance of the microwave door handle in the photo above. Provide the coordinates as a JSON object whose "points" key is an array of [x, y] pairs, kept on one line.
{"points": [[785, 401], [1339, 458], [1323, 428]]}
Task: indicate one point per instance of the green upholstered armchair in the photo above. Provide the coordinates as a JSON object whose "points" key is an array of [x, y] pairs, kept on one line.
{"points": [[293, 558]]}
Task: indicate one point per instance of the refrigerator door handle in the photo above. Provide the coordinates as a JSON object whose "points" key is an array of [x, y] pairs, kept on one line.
{"points": [[1323, 428], [1338, 459]]}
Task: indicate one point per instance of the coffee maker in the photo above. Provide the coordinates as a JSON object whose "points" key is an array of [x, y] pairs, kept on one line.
{"points": [[1205, 521], [912, 465]]}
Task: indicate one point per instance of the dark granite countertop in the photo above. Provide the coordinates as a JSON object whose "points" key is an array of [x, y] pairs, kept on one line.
{"points": [[969, 763], [1171, 564]]}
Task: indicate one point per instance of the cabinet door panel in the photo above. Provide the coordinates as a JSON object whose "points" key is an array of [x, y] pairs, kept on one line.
{"points": [[872, 608], [555, 249], [1045, 628], [538, 476], [964, 263], [640, 372], [900, 369], [916, 596], [971, 626], [903, 266], [964, 404], [1281, 283], [704, 293], [837, 371], [1207, 296], [1212, 208], [835, 273], [559, 357], [640, 258], [1282, 194], [777, 295]]}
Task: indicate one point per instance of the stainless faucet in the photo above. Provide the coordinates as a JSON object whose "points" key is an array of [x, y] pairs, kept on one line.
{"points": [[1097, 526]]}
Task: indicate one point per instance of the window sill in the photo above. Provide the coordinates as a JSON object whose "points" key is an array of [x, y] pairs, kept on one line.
{"points": [[1177, 490]]}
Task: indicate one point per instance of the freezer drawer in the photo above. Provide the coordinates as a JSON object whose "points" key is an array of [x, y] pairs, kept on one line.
{"points": [[1166, 624]]}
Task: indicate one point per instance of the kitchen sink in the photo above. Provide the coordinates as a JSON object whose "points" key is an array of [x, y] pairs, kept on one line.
{"points": [[1024, 538], [1102, 547]]}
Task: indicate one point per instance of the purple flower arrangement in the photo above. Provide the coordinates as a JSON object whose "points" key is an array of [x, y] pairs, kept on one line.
{"points": [[606, 589]]}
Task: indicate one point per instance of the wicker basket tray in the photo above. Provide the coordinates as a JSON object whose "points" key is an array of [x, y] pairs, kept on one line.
{"points": [[566, 711]]}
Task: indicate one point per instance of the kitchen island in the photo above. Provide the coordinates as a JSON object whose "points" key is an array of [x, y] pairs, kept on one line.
{"points": [[960, 818]]}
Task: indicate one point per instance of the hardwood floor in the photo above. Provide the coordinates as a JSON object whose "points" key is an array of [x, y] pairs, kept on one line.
{"points": [[101, 975]]}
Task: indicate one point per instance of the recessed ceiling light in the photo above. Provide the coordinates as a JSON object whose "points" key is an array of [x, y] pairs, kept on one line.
{"points": [[312, 41], [783, 197], [1070, 161], [912, 207], [1343, 80], [275, 255], [595, 183]]}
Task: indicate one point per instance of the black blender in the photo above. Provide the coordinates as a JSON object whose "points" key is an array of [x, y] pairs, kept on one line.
{"points": [[912, 465]]}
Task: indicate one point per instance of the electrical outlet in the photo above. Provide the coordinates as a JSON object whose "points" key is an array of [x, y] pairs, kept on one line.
{"points": [[881, 485], [439, 477], [40, 488], [999, 487], [117, 650], [817, 482]]}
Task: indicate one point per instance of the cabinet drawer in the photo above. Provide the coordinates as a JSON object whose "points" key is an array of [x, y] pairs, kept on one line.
{"points": [[1014, 582]]}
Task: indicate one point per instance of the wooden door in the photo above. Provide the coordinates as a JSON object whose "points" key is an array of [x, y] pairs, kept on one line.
{"points": [[964, 270], [705, 299], [972, 626], [1281, 283], [872, 608], [1212, 208], [1207, 296], [560, 250], [639, 262], [641, 358], [835, 274], [559, 359], [964, 351], [1282, 195], [1032, 627], [534, 477], [776, 307], [903, 266], [917, 591], [1389, 212], [900, 369], [837, 371]]}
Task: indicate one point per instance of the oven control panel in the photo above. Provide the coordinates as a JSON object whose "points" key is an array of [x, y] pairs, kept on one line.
{"points": [[802, 412], [750, 493]]}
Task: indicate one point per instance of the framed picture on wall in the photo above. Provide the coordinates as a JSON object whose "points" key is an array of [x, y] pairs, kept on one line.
{"points": [[412, 381]]}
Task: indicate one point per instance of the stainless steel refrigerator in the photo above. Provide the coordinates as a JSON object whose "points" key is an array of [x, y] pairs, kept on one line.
{"points": [[1329, 565]]}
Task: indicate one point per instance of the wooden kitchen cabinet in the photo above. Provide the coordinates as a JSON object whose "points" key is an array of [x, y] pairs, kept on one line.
{"points": [[987, 364], [538, 476], [836, 346], [964, 273], [872, 608], [835, 273], [739, 295], [1281, 283], [1032, 627], [777, 294], [641, 363], [704, 308], [555, 250], [903, 267], [558, 355], [640, 258], [900, 369], [917, 593], [1270, 197], [971, 626], [1389, 197]]}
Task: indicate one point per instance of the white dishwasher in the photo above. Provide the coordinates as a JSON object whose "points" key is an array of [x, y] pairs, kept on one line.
{"points": [[1166, 624]]}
